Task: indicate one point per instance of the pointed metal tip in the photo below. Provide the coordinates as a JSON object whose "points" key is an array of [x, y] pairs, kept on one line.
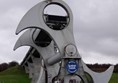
{"points": [[15, 47], [17, 32]]}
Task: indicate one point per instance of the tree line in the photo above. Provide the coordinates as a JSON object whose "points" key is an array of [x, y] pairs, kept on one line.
{"points": [[102, 67], [4, 66], [95, 67]]}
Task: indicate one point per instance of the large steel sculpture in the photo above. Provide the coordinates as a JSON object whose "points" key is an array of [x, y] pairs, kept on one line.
{"points": [[53, 56]]}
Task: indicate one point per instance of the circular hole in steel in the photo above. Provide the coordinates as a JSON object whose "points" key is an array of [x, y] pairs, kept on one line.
{"points": [[56, 16]]}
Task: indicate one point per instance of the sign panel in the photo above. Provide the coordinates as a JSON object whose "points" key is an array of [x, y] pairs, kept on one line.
{"points": [[71, 66]]}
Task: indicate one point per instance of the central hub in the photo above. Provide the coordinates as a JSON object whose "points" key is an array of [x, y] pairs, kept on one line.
{"points": [[70, 50]]}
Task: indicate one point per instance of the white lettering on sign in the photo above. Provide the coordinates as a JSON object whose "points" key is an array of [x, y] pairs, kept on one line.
{"points": [[72, 66]]}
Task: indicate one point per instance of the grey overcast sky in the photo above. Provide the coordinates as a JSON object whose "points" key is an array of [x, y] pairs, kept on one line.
{"points": [[95, 29]]}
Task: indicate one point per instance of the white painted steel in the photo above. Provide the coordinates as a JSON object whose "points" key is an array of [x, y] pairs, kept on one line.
{"points": [[102, 77], [61, 38]]}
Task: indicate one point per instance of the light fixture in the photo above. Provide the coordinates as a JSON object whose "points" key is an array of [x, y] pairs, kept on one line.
{"points": [[70, 50]]}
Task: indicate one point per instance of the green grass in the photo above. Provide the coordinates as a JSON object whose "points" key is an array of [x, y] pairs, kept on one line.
{"points": [[14, 75], [18, 75], [114, 78]]}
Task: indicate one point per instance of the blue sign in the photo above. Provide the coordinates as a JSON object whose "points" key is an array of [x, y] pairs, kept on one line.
{"points": [[71, 66]]}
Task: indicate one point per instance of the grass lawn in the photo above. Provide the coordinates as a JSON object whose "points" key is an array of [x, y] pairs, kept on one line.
{"points": [[14, 75], [114, 78], [14, 79], [18, 75]]}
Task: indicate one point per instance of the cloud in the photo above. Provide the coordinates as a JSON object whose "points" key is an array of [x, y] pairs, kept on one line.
{"points": [[94, 57], [95, 29]]}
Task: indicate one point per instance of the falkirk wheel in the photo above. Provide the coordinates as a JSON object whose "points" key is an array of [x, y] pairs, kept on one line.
{"points": [[53, 56]]}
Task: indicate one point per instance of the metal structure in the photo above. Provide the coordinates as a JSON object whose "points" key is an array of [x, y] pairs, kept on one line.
{"points": [[53, 56]]}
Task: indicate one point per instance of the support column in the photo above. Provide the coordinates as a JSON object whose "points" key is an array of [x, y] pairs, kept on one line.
{"points": [[26, 68], [31, 70]]}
